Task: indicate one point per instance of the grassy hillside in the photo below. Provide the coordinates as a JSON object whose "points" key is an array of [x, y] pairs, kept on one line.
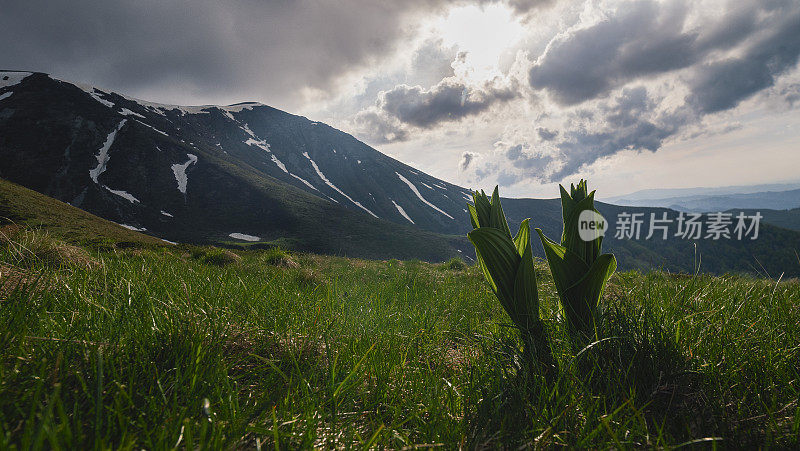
{"points": [[315, 226], [184, 346], [28, 208]]}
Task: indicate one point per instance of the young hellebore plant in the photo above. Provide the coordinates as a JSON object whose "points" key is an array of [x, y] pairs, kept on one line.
{"points": [[580, 271], [507, 265]]}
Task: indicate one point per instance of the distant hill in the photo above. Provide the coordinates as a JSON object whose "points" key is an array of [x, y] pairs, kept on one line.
{"points": [[774, 200], [664, 193]]}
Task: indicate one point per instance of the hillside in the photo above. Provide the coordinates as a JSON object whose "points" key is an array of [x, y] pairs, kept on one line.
{"points": [[775, 252], [58, 140], [27, 208], [787, 219], [167, 158]]}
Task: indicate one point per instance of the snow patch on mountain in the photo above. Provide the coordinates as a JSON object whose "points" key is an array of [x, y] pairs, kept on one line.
{"points": [[428, 186], [278, 162], [328, 182], [416, 191], [243, 237], [247, 130], [6, 95], [123, 194], [127, 112], [258, 143], [166, 214], [402, 212], [147, 125], [180, 172], [102, 156], [94, 93], [134, 228], [241, 106], [228, 115], [304, 181], [12, 78]]}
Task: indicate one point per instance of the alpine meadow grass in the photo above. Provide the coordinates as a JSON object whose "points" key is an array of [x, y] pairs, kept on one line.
{"points": [[163, 348]]}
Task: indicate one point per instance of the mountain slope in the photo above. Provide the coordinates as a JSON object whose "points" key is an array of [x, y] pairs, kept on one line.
{"points": [[22, 206], [126, 163]]}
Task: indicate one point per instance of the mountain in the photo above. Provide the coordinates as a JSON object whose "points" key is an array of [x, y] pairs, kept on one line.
{"points": [[775, 200], [249, 174], [206, 174]]}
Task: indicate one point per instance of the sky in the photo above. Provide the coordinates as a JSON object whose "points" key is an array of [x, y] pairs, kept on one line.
{"points": [[521, 93]]}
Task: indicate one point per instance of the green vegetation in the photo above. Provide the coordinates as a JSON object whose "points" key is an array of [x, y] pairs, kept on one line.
{"points": [[507, 265], [579, 270], [28, 208], [156, 348]]}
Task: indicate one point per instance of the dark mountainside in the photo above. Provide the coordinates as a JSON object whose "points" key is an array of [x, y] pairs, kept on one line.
{"points": [[202, 174]]}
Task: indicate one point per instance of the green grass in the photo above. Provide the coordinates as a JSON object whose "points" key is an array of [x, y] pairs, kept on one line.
{"points": [[167, 347], [25, 207]]}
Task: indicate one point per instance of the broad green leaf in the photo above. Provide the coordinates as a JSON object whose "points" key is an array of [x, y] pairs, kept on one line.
{"points": [[586, 250], [566, 267], [483, 208], [585, 294], [498, 218], [566, 203], [500, 257], [523, 238], [473, 216], [526, 295]]}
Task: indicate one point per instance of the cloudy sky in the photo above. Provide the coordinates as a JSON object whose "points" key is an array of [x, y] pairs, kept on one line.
{"points": [[521, 93]]}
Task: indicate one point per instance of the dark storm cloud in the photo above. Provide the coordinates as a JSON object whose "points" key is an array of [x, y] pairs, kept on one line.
{"points": [[404, 108], [646, 39], [630, 121], [378, 128], [722, 85], [252, 50], [449, 100], [643, 38]]}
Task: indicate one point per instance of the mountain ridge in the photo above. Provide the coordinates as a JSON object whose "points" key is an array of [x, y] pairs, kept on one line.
{"points": [[248, 171]]}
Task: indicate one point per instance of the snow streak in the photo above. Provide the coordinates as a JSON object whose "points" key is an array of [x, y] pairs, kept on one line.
{"points": [[403, 212], [102, 156], [243, 237], [328, 182], [416, 191]]}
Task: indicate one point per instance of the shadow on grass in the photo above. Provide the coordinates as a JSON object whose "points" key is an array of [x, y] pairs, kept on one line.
{"points": [[633, 388]]}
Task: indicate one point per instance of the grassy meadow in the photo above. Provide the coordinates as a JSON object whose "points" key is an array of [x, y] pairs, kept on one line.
{"points": [[163, 347]]}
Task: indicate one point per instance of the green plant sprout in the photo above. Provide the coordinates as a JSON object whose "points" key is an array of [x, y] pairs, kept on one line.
{"points": [[580, 271], [507, 265]]}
